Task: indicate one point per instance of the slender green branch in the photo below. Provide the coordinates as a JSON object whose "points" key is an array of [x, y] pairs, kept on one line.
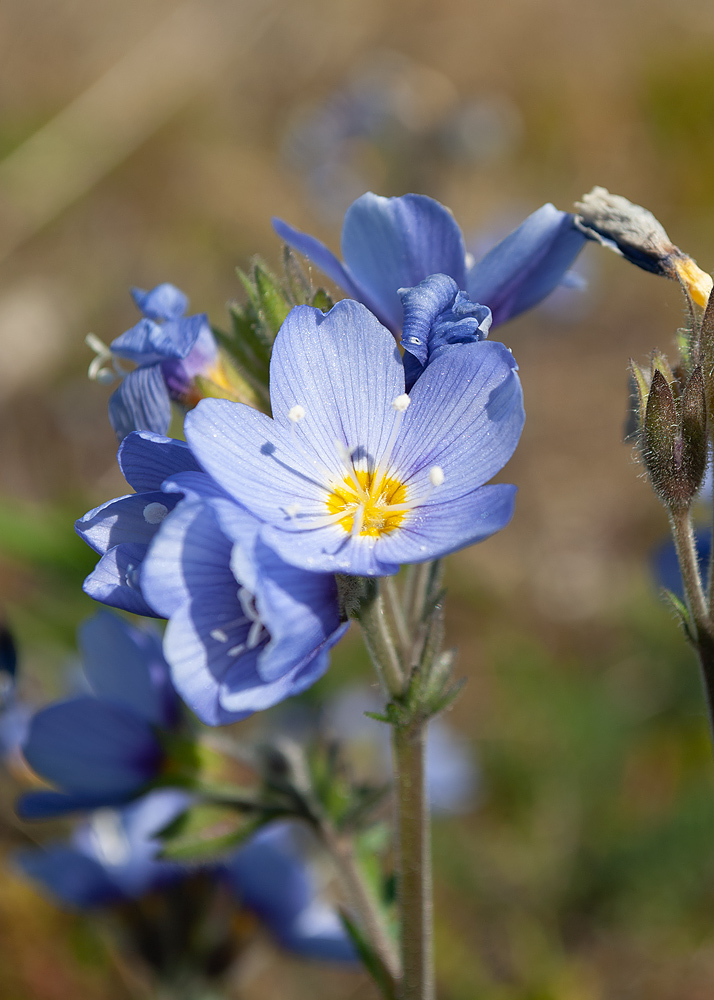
{"points": [[397, 612], [414, 877], [683, 535], [360, 897], [380, 644]]}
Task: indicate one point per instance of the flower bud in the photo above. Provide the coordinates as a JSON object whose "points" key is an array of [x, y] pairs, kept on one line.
{"points": [[674, 438], [636, 234]]}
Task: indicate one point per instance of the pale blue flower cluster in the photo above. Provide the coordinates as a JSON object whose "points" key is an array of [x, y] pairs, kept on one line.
{"points": [[371, 460]]}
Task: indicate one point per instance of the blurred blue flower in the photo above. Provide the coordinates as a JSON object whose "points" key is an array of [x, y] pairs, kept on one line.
{"points": [[245, 630], [103, 750], [271, 879], [169, 350], [113, 858], [14, 712], [394, 243], [352, 475]]}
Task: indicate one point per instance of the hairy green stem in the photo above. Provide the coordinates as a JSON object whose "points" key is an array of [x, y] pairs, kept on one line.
{"points": [[414, 876], [380, 644], [683, 535]]}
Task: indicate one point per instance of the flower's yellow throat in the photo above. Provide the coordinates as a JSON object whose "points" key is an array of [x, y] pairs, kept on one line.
{"points": [[368, 500]]}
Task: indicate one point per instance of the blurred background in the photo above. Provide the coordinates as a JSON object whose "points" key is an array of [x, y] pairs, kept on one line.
{"points": [[147, 142]]}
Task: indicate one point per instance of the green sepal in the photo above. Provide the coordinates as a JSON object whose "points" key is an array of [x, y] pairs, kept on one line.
{"points": [[297, 281], [682, 612], [321, 300], [273, 304], [695, 448]]}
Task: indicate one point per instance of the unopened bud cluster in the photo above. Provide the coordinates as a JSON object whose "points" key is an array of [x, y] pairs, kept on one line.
{"points": [[673, 430]]}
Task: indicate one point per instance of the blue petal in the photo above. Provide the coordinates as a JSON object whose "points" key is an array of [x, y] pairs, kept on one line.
{"points": [[527, 265], [148, 343], [393, 243], [270, 878], [70, 876], [300, 610], [437, 529], [195, 486], [330, 550], [50, 805], [133, 519], [126, 664], [140, 403], [115, 580], [466, 417], [188, 573], [93, 747], [437, 314], [318, 933], [318, 253], [164, 302], [146, 459], [422, 304]]}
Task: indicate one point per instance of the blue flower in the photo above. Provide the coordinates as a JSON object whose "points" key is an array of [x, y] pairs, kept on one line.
{"points": [[352, 475], [170, 350], [112, 857], [245, 629], [121, 529], [394, 243], [103, 750], [437, 316], [270, 879]]}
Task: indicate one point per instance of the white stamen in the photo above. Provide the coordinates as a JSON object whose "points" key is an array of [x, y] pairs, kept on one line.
{"points": [[109, 836], [218, 634], [293, 510], [296, 413], [255, 634], [401, 403], [357, 521], [247, 605], [436, 475], [236, 650], [154, 513]]}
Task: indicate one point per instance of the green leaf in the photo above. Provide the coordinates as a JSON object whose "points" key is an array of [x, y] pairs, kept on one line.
{"points": [[370, 959]]}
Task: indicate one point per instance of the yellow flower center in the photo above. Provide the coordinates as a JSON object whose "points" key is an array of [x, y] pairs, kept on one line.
{"points": [[371, 506]]}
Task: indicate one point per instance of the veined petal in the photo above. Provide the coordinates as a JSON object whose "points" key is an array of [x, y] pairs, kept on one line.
{"points": [[115, 580], [439, 528], [527, 265], [132, 519], [466, 418], [140, 403], [126, 665], [148, 343], [300, 609], [146, 459], [344, 368], [329, 550], [319, 254], [92, 747], [422, 304], [164, 302], [392, 243]]}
